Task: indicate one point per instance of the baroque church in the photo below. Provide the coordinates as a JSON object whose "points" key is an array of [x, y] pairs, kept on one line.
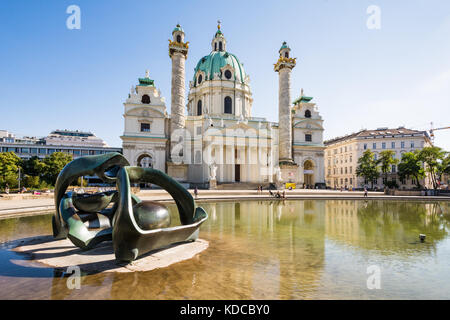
{"points": [[212, 138]]}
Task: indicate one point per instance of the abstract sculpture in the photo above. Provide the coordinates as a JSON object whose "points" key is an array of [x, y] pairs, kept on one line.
{"points": [[134, 226]]}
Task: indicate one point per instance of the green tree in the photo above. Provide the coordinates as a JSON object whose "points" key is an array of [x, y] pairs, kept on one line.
{"points": [[445, 166], [432, 158], [9, 167], [385, 161], [367, 167], [32, 166], [53, 164], [410, 166]]}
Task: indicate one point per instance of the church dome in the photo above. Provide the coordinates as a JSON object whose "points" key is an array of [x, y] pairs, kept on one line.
{"points": [[213, 64]]}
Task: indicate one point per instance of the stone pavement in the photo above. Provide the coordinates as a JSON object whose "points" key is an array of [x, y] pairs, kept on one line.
{"points": [[25, 205]]}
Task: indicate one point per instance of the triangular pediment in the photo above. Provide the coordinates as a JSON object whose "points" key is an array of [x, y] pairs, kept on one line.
{"points": [[311, 123], [145, 112]]}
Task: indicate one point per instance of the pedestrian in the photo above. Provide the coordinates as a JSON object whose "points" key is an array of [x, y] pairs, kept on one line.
{"points": [[195, 192], [365, 192], [284, 194], [7, 189]]}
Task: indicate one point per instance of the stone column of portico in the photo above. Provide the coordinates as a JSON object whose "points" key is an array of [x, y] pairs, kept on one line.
{"points": [[284, 66]]}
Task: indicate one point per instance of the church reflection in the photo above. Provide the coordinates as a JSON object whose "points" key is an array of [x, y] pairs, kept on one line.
{"points": [[275, 250]]}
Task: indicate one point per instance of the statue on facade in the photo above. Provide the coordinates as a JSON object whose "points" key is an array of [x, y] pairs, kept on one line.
{"points": [[278, 175], [135, 227], [212, 171]]}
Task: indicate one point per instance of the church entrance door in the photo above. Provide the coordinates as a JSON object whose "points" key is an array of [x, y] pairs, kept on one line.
{"points": [[237, 172]]}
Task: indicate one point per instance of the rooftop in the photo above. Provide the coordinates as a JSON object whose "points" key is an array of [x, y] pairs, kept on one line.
{"points": [[379, 132]]}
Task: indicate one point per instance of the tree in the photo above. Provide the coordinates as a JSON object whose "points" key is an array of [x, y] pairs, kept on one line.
{"points": [[367, 167], [32, 166], [385, 161], [410, 166], [445, 166], [53, 164], [9, 166], [431, 158]]}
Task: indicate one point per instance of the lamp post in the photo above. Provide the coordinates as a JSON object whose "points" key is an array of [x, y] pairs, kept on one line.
{"points": [[18, 179]]}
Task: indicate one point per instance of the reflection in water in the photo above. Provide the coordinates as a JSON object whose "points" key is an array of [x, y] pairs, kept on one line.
{"points": [[270, 250]]}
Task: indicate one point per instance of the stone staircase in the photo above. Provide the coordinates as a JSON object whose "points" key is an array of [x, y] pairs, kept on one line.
{"points": [[241, 186]]}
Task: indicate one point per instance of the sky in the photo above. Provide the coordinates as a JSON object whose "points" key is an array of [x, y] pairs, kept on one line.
{"points": [[52, 77]]}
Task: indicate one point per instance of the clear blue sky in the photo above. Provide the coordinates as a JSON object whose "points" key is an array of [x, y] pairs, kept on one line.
{"points": [[55, 78]]}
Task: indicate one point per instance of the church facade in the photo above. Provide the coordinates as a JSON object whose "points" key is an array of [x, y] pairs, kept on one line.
{"points": [[212, 138]]}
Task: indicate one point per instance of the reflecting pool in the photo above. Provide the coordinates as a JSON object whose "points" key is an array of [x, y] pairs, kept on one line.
{"points": [[302, 249]]}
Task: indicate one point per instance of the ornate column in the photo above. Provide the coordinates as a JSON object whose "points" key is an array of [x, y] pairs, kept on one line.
{"points": [[178, 50], [284, 66], [288, 169]]}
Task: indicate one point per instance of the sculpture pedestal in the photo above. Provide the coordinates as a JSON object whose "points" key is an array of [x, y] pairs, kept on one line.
{"points": [[212, 184], [289, 172], [178, 172], [61, 254]]}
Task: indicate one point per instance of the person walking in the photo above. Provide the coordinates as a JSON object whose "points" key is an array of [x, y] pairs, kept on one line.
{"points": [[7, 189], [365, 192], [196, 192]]}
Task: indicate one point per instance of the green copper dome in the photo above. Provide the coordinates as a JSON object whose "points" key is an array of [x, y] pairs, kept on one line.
{"points": [[215, 61]]}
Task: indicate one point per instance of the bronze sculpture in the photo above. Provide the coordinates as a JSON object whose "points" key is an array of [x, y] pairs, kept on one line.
{"points": [[135, 227]]}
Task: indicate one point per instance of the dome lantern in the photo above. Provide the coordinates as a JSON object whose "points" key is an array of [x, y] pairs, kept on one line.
{"points": [[219, 42]]}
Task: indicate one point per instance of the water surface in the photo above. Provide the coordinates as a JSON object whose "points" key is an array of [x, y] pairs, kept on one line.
{"points": [[311, 249]]}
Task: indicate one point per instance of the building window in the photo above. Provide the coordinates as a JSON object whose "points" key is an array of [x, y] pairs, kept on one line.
{"points": [[351, 169], [392, 145], [351, 181], [286, 54], [178, 38], [308, 137], [383, 145], [145, 127], [375, 156], [365, 146], [384, 181], [199, 107], [215, 46], [374, 145], [375, 181], [412, 144], [220, 46], [307, 114], [200, 79], [228, 74], [76, 152], [402, 144], [145, 99], [394, 168], [228, 105]]}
